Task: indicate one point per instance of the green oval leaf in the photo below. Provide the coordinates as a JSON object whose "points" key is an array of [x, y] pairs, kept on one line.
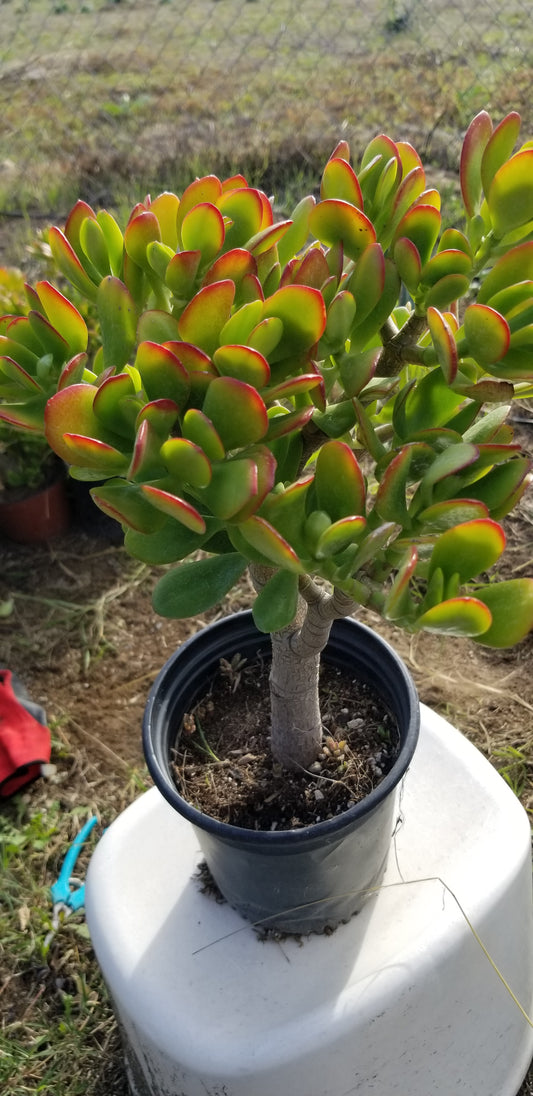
{"points": [[469, 549], [192, 588], [275, 606], [459, 616], [511, 607]]}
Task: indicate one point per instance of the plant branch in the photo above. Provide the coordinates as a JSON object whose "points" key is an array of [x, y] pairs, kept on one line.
{"points": [[400, 348]]}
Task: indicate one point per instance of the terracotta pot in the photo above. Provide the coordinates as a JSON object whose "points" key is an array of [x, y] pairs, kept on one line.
{"points": [[39, 516]]}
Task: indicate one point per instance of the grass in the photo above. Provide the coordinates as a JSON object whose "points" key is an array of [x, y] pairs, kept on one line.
{"points": [[109, 100], [58, 1033]]}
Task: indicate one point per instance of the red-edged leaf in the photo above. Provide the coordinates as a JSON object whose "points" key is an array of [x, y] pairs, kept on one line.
{"points": [[165, 207], [175, 507], [207, 189], [282, 422], [233, 485], [204, 317], [515, 266], [12, 369], [446, 261], [390, 502], [125, 503], [444, 343], [162, 373], [340, 181], [73, 371], [334, 221], [341, 314], [28, 415], [339, 482], [302, 312], [71, 411], [313, 269], [408, 263], [339, 535], [268, 237], [451, 461], [296, 236], [93, 453], [499, 148], [111, 402], [397, 604], [487, 333], [141, 231], [265, 463], [146, 462], [449, 289], [511, 606], [468, 549], [186, 461], [500, 488], [368, 280], [459, 616], [305, 382], [199, 429], [94, 245], [236, 411], [162, 414], [420, 225], [510, 198], [118, 320], [410, 188], [247, 212], [446, 515], [68, 263], [243, 363], [202, 229], [265, 539], [234, 264], [181, 273], [476, 140]]}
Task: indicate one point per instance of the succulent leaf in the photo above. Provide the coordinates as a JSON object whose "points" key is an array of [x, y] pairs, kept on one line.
{"points": [[459, 616], [510, 198], [275, 606], [511, 606], [192, 588], [476, 140]]}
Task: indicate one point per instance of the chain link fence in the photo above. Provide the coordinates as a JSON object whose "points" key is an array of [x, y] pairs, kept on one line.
{"points": [[100, 97]]}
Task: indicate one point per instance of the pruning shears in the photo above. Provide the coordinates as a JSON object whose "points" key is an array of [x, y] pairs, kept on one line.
{"points": [[68, 894]]}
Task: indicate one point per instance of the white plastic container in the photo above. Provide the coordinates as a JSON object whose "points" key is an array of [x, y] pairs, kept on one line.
{"points": [[401, 1000]]}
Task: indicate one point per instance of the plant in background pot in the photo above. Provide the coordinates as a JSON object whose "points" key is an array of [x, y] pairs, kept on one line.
{"points": [[33, 500], [320, 400]]}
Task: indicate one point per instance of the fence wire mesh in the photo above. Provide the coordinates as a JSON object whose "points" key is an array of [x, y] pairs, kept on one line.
{"points": [[139, 93]]}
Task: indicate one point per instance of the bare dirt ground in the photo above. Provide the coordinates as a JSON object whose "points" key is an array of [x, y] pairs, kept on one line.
{"points": [[80, 632]]}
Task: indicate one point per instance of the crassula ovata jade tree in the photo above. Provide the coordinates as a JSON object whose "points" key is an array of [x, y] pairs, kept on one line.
{"points": [[322, 399]]}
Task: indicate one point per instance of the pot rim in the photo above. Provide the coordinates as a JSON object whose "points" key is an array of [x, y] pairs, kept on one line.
{"points": [[159, 767]]}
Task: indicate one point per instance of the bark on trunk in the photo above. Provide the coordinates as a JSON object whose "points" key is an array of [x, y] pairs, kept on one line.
{"points": [[296, 723]]}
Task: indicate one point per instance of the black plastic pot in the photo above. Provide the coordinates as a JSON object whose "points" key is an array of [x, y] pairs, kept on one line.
{"points": [[303, 880]]}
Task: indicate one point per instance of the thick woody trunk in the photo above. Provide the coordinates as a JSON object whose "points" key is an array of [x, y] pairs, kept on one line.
{"points": [[296, 723]]}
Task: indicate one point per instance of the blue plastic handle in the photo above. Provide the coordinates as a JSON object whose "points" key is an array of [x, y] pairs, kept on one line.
{"points": [[61, 891]]}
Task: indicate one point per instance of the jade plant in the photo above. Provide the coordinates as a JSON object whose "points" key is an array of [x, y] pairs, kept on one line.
{"points": [[322, 400]]}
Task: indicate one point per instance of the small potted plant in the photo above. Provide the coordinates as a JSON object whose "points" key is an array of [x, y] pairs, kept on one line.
{"points": [[33, 500], [260, 392], [321, 401]]}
